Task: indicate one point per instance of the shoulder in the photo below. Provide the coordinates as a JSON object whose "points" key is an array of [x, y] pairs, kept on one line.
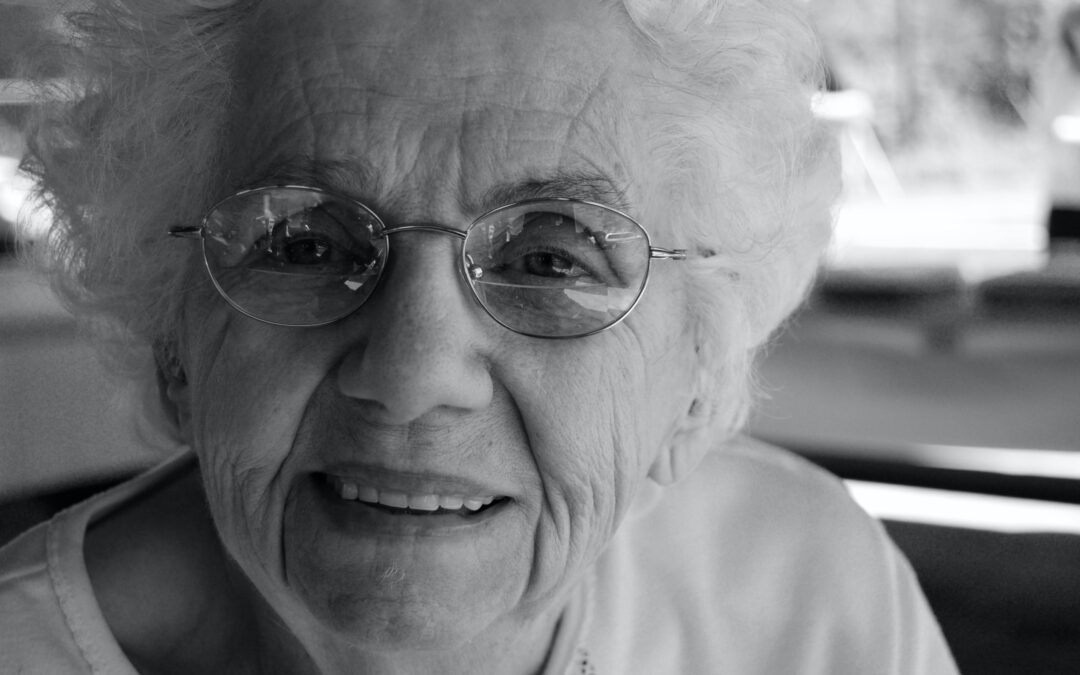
{"points": [[755, 512], [799, 523], [770, 491], [763, 563], [51, 619], [771, 502], [42, 617]]}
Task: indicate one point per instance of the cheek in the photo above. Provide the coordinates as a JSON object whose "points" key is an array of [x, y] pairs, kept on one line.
{"points": [[583, 413], [247, 396], [605, 413]]}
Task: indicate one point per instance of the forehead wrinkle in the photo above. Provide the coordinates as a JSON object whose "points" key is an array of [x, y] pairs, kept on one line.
{"points": [[604, 113], [592, 108], [355, 177], [598, 179], [290, 91]]}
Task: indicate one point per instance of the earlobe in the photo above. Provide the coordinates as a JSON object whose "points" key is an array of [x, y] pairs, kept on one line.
{"points": [[173, 391], [688, 445]]}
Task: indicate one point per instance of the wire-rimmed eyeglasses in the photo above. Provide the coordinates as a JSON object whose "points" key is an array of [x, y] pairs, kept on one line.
{"points": [[292, 255]]}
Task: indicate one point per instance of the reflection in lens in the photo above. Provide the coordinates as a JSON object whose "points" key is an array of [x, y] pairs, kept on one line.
{"points": [[554, 312], [293, 299], [598, 266]]}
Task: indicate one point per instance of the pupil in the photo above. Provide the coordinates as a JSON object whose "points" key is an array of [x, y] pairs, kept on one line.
{"points": [[309, 251], [548, 263]]}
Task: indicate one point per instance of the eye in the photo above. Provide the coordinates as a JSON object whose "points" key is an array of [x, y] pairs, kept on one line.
{"points": [[304, 248], [548, 264], [311, 241], [542, 248]]}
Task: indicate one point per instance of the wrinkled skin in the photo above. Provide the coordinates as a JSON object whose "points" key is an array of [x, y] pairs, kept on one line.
{"points": [[437, 111]]}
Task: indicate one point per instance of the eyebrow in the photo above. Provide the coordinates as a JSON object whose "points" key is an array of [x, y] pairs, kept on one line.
{"points": [[352, 177], [589, 187], [356, 178]]}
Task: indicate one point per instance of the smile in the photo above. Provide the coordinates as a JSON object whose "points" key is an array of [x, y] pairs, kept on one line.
{"points": [[405, 503]]}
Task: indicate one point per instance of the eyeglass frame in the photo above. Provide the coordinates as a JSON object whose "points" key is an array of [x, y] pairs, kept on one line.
{"points": [[198, 232]]}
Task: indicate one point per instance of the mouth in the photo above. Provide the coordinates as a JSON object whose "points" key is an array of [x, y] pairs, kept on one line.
{"points": [[400, 503]]}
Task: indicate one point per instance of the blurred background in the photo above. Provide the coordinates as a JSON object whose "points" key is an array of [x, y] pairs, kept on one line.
{"points": [[949, 310], [936, 366]]}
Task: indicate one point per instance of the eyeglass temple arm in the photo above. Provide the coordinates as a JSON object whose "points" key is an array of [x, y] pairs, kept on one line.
{"points": [[667, 253], [186, 231]]}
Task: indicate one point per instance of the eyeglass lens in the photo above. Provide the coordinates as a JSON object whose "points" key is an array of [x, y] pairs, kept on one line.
{"points": [[303, 257], [556, 268]]}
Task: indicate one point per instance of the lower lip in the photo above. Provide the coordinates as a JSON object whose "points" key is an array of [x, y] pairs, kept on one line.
{"points": [[360, 518]]}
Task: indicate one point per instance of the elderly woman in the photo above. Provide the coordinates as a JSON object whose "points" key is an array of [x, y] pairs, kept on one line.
{"points": [[391, 258]]}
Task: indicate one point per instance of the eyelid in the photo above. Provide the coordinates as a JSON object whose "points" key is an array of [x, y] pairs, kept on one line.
{"points": [[574, 260], [590, 266]]}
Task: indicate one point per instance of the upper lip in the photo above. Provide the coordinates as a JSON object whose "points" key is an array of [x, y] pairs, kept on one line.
{"points": [[413, 482]]}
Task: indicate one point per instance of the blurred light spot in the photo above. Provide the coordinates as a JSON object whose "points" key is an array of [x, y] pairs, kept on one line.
{"points": [[1067, 128], [31, 219], [964, 509], [1010, 461]]}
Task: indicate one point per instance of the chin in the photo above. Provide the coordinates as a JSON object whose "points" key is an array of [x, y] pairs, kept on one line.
{"points": [[380, 589], [391, 627]]}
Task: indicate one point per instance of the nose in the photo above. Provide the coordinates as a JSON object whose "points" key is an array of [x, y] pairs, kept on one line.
{"points": [[418, 342]]}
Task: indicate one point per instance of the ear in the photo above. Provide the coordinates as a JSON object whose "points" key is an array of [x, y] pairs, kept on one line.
{"points": [[687, 446], [173, 390]]}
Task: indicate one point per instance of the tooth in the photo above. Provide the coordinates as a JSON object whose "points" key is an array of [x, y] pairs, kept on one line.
{"points": [[419, 502], [451, 503], [398, 500], [423, 502], [368, 494], [349, 491]]}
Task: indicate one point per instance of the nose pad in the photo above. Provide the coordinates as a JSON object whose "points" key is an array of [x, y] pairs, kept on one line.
{"points": [[418, 342]]}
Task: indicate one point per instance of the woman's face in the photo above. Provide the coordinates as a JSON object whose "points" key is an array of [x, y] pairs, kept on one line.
{"points": [[431, 112]]}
